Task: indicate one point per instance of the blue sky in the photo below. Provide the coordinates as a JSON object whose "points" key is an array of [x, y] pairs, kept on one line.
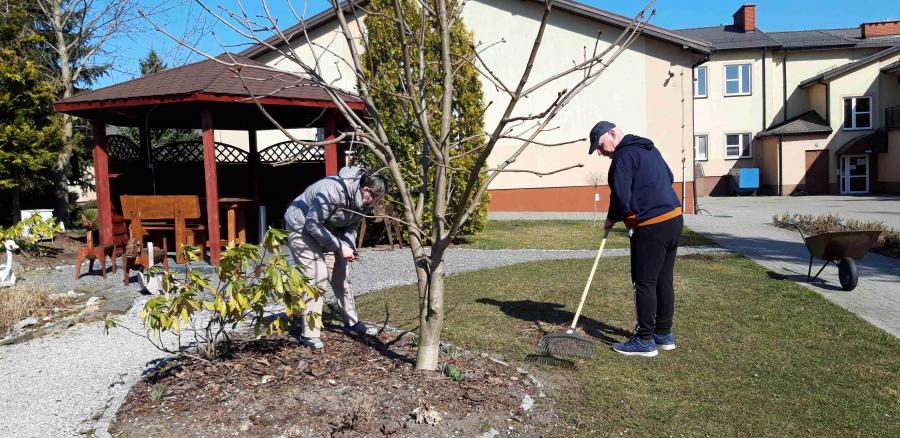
{"points": [[771, 15]]}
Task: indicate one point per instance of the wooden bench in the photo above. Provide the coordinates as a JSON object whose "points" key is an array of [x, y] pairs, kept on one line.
{"points": [[165, 213]]}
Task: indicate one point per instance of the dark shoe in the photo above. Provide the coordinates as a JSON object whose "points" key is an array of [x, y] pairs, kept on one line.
{"points": [[636, 347], [313, 343], [361, 328], [664, 342]]}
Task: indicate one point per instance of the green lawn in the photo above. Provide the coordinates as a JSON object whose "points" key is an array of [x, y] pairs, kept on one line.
{"points": [[562, 234], [755, 356]]}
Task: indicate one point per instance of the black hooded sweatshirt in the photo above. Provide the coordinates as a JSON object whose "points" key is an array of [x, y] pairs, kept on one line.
{"points": [[640, 182]]}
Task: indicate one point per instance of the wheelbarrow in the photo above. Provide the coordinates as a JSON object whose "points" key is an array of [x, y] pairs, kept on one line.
{"points": [[842, 248]]}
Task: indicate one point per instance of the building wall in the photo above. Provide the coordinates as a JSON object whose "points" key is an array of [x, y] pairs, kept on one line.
{"points": [[637, 91], [866, 81], [889, 164], [717, 115]]}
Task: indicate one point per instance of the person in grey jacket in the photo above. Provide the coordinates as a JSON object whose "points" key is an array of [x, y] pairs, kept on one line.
{"points": [[322, 224]]}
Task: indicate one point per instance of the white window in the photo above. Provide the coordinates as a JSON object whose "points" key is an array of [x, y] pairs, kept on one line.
{"points": [[858, 113], [737, 146], [700, 82], [737, 79], [701, 147]]}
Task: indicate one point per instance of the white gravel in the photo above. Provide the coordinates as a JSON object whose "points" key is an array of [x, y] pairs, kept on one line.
{"points": [[58, 385]]}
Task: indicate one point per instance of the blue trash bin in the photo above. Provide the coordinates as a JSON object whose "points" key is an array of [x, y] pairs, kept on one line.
{"points": [[744, 181]]}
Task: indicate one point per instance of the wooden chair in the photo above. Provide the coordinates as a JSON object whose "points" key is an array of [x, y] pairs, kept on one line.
{"points": [[93, 252], [384, 213]]}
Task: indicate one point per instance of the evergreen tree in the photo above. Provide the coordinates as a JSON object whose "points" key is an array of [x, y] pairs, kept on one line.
{"points": [[30, 132], [383, 61]]}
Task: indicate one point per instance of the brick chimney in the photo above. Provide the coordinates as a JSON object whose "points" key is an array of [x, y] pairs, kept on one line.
{"points": [[745, 18], [881, 28]]}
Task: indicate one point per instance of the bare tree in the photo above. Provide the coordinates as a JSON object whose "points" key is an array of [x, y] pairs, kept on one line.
{"points": [[596, 179], [76, 50], [520, 130]]}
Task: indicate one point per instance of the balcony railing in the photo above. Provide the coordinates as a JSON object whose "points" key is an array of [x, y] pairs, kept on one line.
{"points": [[892, 118]]}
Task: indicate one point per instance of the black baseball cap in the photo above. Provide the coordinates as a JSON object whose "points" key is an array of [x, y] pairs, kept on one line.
{"points": [[596, 132]]}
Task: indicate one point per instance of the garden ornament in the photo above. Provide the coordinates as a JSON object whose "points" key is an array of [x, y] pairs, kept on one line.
{"points": [[7, 276]]}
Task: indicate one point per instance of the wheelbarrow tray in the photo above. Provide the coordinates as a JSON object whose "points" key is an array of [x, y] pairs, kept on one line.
{"points": [[837, 245]]}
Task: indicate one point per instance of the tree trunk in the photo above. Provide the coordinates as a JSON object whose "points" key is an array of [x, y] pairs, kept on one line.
{"points": [[66, 83], [431, 318], [15, 205]]}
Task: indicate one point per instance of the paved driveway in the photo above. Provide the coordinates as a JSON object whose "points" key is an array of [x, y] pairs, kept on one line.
{"points": [[744, 225], [870, 208]]}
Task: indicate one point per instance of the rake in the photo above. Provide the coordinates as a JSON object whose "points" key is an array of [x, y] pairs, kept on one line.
{"points": [[569, 343]]}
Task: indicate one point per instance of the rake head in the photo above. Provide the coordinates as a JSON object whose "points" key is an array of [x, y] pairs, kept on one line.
{"points": [[567, 344]]}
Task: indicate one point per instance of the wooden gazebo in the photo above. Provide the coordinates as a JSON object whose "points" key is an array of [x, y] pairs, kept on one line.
{"points": [[206, 95]]}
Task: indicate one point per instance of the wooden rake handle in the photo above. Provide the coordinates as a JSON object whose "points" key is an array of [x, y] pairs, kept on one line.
{"points": [[587, 286]]}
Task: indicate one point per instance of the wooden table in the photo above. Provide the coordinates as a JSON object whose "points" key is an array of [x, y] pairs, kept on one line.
{"points": [[237, 228]]}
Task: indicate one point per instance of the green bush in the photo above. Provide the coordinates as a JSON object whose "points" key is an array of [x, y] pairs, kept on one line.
{"points": [[251, 281], [38, 229], [888, 243]]}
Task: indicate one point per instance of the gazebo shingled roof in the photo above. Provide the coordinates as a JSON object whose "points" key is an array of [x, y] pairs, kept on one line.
{"points": [[212, 84]]}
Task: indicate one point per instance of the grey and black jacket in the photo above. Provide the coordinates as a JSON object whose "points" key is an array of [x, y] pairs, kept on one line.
{"points": [[321, 211]]}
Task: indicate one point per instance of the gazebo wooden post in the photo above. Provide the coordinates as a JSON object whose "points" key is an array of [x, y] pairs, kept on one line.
{"points": [[101, 181], [331, 150], [212, 189], [254, 163]]}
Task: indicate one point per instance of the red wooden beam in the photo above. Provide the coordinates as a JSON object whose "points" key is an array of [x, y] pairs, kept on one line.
{"points": [[331, 150], [101, 181], [63, 106], [212, 185]]}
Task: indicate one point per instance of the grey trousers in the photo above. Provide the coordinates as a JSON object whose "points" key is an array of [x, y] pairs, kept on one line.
{"points": [[323, 269]]}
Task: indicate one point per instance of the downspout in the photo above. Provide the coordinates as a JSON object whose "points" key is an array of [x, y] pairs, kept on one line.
{"points": [[828, 103], [780, 165], [764, 89], [693, 130], [683, 152], [784, 86]]}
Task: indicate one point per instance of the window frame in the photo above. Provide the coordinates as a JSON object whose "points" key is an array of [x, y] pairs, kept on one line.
{"points": [[740, 146], [740, 79], [706, 157], [854, 113], [697, 95]]}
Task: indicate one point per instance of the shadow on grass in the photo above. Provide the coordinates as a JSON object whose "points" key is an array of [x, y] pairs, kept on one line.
{"points": [[552, 313]]}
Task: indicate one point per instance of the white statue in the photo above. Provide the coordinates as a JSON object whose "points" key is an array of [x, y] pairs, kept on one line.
{"points": [[151, 283], [7, 276]]}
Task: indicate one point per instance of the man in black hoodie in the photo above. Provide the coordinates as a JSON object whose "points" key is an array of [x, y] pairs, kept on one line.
{"points": [[643, 198]]}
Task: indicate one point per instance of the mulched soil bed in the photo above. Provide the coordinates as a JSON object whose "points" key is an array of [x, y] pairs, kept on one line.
{"points": [[47, 254], [355, 387]]}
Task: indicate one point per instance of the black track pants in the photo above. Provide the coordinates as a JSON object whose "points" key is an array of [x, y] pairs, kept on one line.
{"points": [[653, 249]]}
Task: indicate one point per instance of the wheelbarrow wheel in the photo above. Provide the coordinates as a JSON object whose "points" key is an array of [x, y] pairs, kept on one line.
{"points": [[847, 273]]}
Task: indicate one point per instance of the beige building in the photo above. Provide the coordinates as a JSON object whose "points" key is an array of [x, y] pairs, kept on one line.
{"points": [[815, 111], [647, 91]]}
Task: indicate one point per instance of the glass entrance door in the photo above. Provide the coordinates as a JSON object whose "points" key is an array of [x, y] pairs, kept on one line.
{"points": [[854, 174]]}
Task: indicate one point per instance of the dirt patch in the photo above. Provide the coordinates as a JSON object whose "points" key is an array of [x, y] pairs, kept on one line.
{"points": [[48, 254], [708, 258], [355, 387]]}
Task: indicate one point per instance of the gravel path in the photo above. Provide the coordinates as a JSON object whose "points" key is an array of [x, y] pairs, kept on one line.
{"points": [[59, 385]]}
